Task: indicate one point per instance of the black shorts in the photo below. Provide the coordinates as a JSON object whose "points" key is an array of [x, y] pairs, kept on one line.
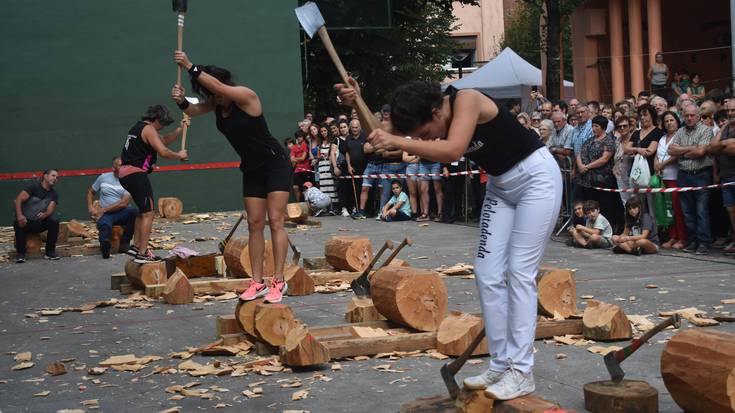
{"points": [[300, 178], [275, 175], [140, 190]]}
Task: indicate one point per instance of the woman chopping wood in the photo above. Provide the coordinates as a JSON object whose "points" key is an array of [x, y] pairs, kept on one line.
{"points": [[518, 214], [265, 166]]}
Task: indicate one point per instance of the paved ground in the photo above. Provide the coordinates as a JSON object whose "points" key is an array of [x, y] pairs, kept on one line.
{"points": [[683, 281]]}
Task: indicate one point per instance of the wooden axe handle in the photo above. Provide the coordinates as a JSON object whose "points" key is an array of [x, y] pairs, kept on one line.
{"points": [[183, 133], [180, 46]]}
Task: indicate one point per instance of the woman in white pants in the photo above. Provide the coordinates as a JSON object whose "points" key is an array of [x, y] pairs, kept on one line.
{"points": [[518, 215]]}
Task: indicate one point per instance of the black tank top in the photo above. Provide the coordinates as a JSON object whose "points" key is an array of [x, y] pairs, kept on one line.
{"points": [[499, 144], [138, 152], [250, 138]]}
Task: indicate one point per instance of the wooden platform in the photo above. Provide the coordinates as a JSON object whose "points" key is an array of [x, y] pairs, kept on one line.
{"points": [[444, 404]]}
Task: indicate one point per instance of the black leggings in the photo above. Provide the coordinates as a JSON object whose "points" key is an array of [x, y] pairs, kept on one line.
{"points": [[140, 189]]}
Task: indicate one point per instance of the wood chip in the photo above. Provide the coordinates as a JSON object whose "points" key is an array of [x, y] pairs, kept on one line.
{"points": [[300, 395], [55, 369], [365, 332], [42, 394], [336, 366], [651, 286], [561, 356], [24, 356], [728, 301], [24, 365], [602, 350]]}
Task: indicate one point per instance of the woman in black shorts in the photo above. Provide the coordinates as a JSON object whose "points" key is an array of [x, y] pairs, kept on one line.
{"points": [[265, 165], [138, 156]]}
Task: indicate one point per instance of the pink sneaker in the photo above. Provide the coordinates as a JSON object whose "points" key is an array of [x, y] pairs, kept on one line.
{"points": [[276, 291], [255, 290]]}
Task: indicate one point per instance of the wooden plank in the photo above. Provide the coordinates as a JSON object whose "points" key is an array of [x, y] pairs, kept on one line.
{"points": [[216, 286], [548, 329], [346, 329], [324, 278], [353, 347], [444, 404], [117, 279]]}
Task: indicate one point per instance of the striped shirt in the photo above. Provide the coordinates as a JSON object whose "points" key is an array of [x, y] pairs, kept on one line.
{"points": [[701, 135], [580, 135]]}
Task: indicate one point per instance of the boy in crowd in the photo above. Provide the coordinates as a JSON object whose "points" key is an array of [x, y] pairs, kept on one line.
{"points": [[397, 208], [318, 201], [597, 233], [578, 218]]}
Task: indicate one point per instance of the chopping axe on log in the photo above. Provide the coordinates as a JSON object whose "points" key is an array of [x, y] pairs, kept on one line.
{"points": [[180, 7], [296, 253], [613, 359], [449, 370], [361, 284], [223, 243]]}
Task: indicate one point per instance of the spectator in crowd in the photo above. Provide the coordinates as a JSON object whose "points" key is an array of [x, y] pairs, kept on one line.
{"points": [[535, 121], [723, 149], [578, 216], [583, 131], [561, 107], [319, 202], [514, 106], [696, 89], [622, 162], [631, 100], [431, 172], [302, 165], [327, 183], [535, 101], [668, 167], [309, 116], [573, 121], [336, 131], [385, 162], [658, 74], [356, 159], [607, 111], [597, 233], [412, 182], [644, 142], [354, 115], [690, 145], [573, 105], [643, 98], [34, 213], [680, 83], [661, 106], [595, 108], [338, 161], [561, 139], [617, 114], [545, 130], [640, 235], [683, 101], [114, 209], [707, 116], [288, 143], [397, 208], [384, 114], [721, 118], [524, 120], [546, 109], [313, 140]]}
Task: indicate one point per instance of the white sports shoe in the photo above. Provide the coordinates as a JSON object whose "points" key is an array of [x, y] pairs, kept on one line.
{"points": [[512, 385], [483, 380], [345, 212]]}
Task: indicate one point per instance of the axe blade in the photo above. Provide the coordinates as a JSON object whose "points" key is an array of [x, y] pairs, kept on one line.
{"points": [[310, 18], [613, 367], [179, 6]]}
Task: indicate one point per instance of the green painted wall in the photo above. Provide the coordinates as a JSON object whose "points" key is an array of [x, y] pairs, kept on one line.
{"points": [[77, 74]]}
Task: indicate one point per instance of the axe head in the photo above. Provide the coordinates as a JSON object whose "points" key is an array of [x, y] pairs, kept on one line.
{"points": [[361, 286], [613, 367], [449, 381], [310, 18], [179, 5]]}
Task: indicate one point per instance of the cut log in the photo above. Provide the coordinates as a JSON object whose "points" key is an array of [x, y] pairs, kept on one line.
{"points": [[348, 253], [698, 369], [117, 279], [237, 258], [170, 207], [628, 396], [298, 281], [142, 275], [317, 263], [245, 314], [302, 349], [557, 292], [227, 324], [414, 297], [198, 265], [361, 309], [297, 211], [273, 322], [75, 227], [474, 401], [63, 234], [116, 238], [457, 331], [178, 290], [605, 322], [33, 244]]}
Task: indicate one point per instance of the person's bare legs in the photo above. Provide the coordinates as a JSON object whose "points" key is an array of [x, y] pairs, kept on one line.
{"points": [[256, 209], [581, 240], [424, 194], [276, 205], [439, 192], [146, 225], [646, 246], [413, 188], [365, 192]]}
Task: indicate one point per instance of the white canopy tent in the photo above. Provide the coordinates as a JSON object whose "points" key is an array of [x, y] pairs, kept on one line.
{"points": [[506, 76]]}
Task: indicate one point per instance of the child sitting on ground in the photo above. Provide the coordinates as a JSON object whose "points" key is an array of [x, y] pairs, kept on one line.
{"points": [[577, 218], [639, 235], [318, 201], [597, 233], [397, 208]]}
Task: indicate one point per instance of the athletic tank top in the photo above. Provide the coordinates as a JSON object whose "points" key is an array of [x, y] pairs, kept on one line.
{"points": [[499, 144], [250, 138], [658, 74], [726, 163], [138, 152]]}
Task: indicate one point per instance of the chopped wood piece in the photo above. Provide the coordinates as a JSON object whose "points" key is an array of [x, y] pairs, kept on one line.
{"points": [[117, 279], [302, 349], [245, 314], [237, 258], [142, 275], [605, 322], [698, 369], [457, 269], [364, 332], [178, 290], [227, 324], [317, 263], [693, 315], [557, 292], [116, 237], [273, 322], [474, 401], [299, 282], [361, 309], [198, 265], [24, 356], [728, 301], [75, 227], [457, 331], [416, 298], [297, 211], [55, 369], [624, 397], [170, 207], [348, 253]]}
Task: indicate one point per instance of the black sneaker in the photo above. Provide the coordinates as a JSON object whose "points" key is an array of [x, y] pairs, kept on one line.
{"points": [[20, 259], [132, 251], [702, 250], [147, 258], [691, 247], [124, 248], [637, 251], [52, 257], [618, 250], [105, 248]]}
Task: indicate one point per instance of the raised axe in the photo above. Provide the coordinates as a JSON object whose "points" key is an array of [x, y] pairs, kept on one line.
{"points": [[180, 7], [222, 244], [361, 284], [296, 252], [312, 21], [613, 359], [449, 370]]}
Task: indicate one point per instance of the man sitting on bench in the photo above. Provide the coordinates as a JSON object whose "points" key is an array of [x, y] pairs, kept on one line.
{"points": [[34, 213]]}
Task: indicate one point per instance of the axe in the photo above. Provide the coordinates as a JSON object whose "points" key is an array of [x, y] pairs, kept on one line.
{"points": [[296, 253], [406, 241], [613, 360], [312, 21], [361, 284], [180, 9], [223, 244], [449, 370]]}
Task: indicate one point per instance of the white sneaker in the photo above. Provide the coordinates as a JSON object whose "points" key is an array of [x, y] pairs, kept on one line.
{"points": [[483, 380], [345, 212], [512, 385], [378, 217]]}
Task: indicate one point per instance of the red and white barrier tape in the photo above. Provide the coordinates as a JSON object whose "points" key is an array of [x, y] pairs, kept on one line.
{"points": [[400, 176], [665, 190]]}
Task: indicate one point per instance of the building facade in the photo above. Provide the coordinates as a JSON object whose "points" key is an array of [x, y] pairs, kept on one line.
{"points": [[479, 32]]}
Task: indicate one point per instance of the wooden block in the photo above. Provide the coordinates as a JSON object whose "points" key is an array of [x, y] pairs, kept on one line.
{"points": [[198, 265], [317, 263], [557, 292], [605, 322], [474, 401], [348, 253], [297, 211], [298, 281], [361, 309], [624, 397], [126, 288], [227, 324], [302, 349], [115, 239], [142, 275], [216, 286], [170, 207], [117, 279], [230, 339], [178, 290], [33, 244], [456, 333]]}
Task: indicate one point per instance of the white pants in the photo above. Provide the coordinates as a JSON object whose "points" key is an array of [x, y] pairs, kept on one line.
{"points": [[518, 216]]}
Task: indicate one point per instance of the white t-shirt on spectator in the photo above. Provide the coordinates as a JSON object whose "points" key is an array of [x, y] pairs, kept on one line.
{"points": [[109, 188], [671, 171]]}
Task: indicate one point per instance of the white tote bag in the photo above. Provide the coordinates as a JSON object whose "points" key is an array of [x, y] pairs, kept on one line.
{"points": [[640, 174]]}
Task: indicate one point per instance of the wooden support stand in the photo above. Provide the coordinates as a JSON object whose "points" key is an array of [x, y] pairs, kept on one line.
{"points": [[605, 322], [237, 258], [348, 253], [628, 396], [444, 404], [361, 309], [178, 290], [170, 207], [142, 275], [302, 349]]}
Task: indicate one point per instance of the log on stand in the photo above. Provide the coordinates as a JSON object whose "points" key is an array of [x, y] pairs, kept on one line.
{"points": [[348, 253], [698, 369], [605, 322], [33, 244], [361, 309], [116, 238], [414, 297], [297, 211], [170, 207], [273, 322], [628, 396], [237, 258], [245, 314], [302, 349], [557, 292], [298, 281], [457, 331], [178, 289], [142, 275], [474, 401]]}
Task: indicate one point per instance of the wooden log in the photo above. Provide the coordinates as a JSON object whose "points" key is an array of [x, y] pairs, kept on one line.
{"points": [[178, 290], [297, 211], [557, 292], [474, 401], [628, 396], [227, 324], [605, 322], [75, 227], [116, 238], [317, 263], [33, 244], [348, 253], [218, 286], [457, 331], [444, 404], [302, 349], [198, 265], [361, 309], [142, 275], [298, 281], [245, 315], [170, 207], [237, 258], [413, 297], [397, 262], [698, 369], [273, 322]]}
